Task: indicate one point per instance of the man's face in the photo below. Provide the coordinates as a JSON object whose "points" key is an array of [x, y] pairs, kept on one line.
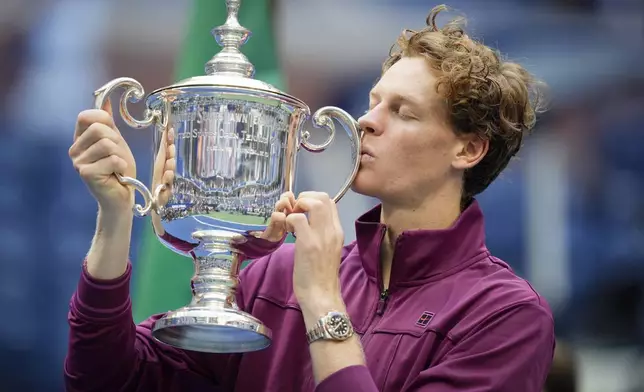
{"points": [[409, 148]]}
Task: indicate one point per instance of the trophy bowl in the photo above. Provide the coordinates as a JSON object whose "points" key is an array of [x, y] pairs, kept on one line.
{"points": [[236, 141]]}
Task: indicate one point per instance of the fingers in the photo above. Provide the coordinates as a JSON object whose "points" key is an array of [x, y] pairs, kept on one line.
{"points": [[318, 212], [170, 166], [276, 228], [286, 203], [164, 169], [171, 152], [160, 158], [102, 168], [320, 207], [99, 145], [165, 163], [298, 224], [168, 181], [170, 137], [168, 178], [88, 117], [95, 132], [320, 196], [171, 149], [97, 151]]}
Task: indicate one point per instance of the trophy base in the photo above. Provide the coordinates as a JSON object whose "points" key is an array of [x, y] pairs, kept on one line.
{"points": [[219, 330]]}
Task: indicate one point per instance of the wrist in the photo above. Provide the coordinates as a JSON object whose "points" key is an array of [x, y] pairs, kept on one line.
{"points": [[114, 221], [317, 307], [108, 255]]}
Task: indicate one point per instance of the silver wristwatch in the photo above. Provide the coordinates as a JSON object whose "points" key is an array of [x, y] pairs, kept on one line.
{"points": [[333, 326]]}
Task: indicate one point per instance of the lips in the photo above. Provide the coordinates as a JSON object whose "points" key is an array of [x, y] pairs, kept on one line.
{"points": [[367, 151]]}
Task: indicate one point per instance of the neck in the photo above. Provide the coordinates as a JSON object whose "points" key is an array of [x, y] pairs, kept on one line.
{"points": [[432, 214]]}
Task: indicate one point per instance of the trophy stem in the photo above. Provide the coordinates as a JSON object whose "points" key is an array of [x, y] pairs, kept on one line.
{"points": [[215, 281], [212, 322], [231, 36]]}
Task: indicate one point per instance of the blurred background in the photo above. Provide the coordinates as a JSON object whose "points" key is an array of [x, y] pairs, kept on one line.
{"points": [[568, 214]]}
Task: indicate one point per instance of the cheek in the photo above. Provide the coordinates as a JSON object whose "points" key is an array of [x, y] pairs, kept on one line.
{"points": [[427, 155], [419, 164]]}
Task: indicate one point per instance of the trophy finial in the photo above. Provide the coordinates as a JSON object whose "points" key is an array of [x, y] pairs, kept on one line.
{"points": [[231, 36]]}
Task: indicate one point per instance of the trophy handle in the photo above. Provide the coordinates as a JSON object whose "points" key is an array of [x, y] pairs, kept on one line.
{"points": [[134, 92], [323, 118]]}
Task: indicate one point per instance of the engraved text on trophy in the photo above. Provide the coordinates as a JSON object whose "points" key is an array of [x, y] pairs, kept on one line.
{"points": [[229, 155]]}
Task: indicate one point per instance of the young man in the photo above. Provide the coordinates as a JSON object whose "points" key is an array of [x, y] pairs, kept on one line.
{"points": [[430, 308]]}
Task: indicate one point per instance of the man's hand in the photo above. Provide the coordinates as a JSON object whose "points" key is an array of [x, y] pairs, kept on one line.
{"points": [[318, 249], [165, 166], [97, 153], [316, 280], [276, 229]]}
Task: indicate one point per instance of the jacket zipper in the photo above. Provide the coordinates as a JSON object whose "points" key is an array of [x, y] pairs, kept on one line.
{"points": [[382, 302], [384, 291], [381, 306]]}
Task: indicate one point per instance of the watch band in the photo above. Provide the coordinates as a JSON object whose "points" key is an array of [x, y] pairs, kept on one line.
{"points": [[317, 332]]}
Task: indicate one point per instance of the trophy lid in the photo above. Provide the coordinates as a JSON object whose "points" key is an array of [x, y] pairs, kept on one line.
{"points": [[230, 68]]}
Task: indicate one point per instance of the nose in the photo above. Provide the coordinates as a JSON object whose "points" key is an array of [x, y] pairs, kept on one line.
{"points": [[370, 122]]}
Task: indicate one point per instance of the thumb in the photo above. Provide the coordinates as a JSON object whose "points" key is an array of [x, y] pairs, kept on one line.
{"points": [[276, 228], [107, 106]]}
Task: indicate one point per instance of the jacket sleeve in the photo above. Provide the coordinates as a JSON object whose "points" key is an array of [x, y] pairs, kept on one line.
{"points": [[512, 350], [108, 352]]}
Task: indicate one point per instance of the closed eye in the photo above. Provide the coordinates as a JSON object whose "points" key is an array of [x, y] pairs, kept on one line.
{"points": [[403, 113]]}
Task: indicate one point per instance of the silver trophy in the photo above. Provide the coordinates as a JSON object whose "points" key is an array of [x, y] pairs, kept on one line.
{"points": [[236, 141]]}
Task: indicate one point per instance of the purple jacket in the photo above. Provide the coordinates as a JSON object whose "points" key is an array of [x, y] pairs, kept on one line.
{"points": [[455, 318]]}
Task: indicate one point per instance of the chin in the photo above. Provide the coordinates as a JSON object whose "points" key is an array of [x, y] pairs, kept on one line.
{"points": [[366, 185]]}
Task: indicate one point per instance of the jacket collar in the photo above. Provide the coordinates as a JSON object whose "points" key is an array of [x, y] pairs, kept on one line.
{"points": [[420, 255]]}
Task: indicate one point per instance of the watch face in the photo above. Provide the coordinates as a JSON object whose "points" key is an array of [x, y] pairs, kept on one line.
{"points": [[338, 326]]}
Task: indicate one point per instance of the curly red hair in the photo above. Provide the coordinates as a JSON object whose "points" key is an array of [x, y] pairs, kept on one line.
{"points": [[495, 99]]}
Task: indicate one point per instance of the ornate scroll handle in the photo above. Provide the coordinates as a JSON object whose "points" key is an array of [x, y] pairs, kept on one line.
{"points": [[323, 118], [133, 92]]}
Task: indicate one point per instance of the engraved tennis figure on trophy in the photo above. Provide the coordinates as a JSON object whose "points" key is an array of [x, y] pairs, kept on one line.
{"points": [[236, 141]]}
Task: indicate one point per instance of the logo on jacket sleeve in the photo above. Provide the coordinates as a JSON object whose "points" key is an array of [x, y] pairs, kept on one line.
{"points": [[424, 319]]}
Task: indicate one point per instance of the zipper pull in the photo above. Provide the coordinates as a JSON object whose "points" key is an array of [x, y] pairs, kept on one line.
{"points": [[382, 302]]}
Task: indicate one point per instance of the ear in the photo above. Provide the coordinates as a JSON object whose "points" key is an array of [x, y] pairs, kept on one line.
{"points": [[471, 151]]}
